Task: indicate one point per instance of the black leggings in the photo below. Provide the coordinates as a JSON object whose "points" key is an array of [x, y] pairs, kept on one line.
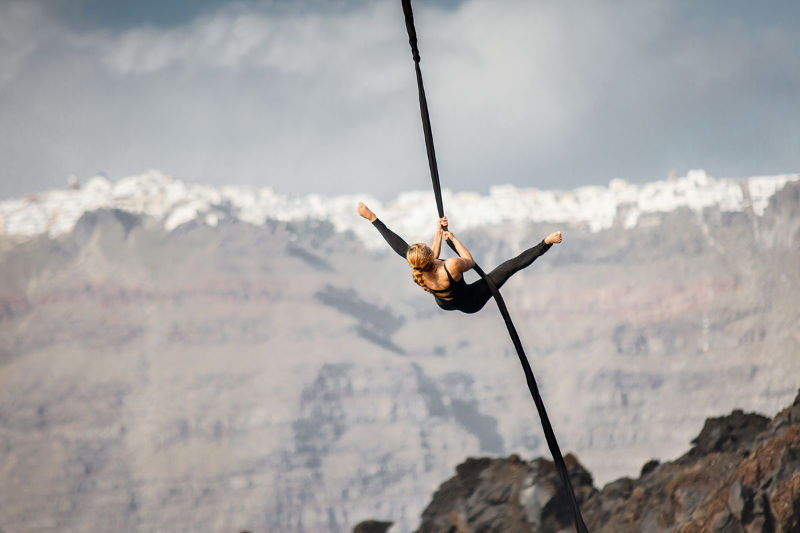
{"points": [[474, 296]]}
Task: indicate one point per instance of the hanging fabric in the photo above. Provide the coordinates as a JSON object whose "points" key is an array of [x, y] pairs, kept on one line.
{"points": [[550, 437]]}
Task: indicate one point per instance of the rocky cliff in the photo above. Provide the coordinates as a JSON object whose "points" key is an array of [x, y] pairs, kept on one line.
{"points": [[742, 475], [281, 375]]}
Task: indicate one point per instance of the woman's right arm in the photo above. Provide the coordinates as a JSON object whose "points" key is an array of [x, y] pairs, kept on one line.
{"points": [[437, 238], [466, 262]]}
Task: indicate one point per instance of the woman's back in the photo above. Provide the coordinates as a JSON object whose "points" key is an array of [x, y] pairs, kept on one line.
{"points": [[442, 281]]}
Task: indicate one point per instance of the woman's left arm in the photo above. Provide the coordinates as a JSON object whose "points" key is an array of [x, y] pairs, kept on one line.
{"points": [[437, 238]]}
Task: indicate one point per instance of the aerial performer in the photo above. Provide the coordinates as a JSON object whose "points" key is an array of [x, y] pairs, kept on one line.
{"points": [[444, 279]]}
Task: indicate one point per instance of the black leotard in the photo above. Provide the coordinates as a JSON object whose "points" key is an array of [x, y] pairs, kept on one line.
{"points": [[448, 298], [468, 298]]}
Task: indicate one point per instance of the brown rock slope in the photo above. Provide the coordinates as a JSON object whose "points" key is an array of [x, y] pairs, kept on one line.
{"points": [[742, 475]]}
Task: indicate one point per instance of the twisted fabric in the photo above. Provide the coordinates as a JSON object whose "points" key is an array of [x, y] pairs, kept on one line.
{"points": [[558, 459]]}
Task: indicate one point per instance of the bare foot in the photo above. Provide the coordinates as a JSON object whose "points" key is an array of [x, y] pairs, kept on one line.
{"points": [[553, 238], [364, 211]]}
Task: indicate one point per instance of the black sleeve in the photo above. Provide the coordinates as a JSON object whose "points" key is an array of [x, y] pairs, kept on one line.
{"points": [[395, 241]]}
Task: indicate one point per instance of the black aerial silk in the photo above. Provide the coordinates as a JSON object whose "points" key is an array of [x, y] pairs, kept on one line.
{"points": [[558, 459]]}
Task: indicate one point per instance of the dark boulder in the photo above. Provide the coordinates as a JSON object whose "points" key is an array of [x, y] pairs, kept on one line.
{"points": [[732, 433], [372, 526]]}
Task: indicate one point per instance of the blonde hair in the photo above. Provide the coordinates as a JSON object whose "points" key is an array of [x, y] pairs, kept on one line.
{"points": [[420, 259]]}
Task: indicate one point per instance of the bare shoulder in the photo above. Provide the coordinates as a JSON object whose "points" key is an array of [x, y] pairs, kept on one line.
{"points": [[456, 265]]}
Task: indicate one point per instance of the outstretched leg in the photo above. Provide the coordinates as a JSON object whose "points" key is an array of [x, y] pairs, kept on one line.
{"points": [[395, 241], [505, 270], [479, 292]]}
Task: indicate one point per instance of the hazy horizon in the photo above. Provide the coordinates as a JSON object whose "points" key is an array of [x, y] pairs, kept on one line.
{"points": [[320, 96]]}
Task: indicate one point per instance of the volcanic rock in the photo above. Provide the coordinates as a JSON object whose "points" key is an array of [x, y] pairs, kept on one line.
{"points": [[742, 475]]}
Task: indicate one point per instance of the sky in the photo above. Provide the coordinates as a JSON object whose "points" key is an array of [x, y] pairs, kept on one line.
{"points": [[319, 96]]}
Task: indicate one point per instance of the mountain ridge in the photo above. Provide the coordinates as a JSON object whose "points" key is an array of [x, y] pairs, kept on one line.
{"points": [[174, 202], [287, 377]]}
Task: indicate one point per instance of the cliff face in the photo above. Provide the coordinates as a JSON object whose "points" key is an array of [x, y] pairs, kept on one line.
{"points": [[282, 377], [742, 475]]}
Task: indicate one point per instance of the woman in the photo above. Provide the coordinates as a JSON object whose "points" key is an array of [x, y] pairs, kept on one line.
{"points": [[444, 278]]}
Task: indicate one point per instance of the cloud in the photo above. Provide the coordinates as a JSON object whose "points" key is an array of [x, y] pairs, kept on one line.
{"points": [[322, 98]]}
